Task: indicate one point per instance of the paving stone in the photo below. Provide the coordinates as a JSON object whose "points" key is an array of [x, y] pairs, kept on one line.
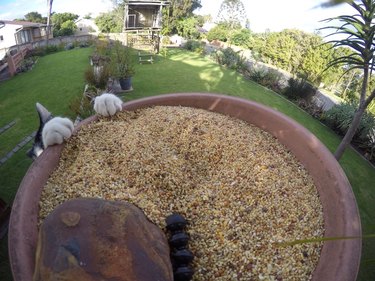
{"points": [[16, 149]]}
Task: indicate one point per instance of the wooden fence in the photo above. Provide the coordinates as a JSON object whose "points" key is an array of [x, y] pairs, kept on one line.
{"points": [[14, 61]]}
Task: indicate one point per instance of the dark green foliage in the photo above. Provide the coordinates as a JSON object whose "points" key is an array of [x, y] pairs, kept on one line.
{"points": [[187, 27], [82, 106], [63, 24], [27, 64], [242, 38], [220, 32], [194, 46], [230, 58], [311, 108], [340, 117], [97, 76], [267, 78], [299, 88], [42, 51], [178, 10], [35, 17], [108, 22]]}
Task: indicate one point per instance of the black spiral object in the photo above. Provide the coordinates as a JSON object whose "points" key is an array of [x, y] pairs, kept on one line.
{"points": [[181, 257]]}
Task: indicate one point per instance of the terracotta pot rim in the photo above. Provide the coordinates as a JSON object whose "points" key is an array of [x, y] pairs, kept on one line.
{"points": [[339, 259]]}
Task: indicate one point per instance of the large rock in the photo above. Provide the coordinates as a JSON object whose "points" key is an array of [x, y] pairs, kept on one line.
{"points": [[94, 239]]}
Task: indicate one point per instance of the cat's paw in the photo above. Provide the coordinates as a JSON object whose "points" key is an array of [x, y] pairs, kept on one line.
{"points": [[56, 130], [107, 104]]}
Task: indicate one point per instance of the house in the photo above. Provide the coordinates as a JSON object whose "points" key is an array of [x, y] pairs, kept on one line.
{"points": [[86, 26], [20, 32], [144, 14], [143, 23]]}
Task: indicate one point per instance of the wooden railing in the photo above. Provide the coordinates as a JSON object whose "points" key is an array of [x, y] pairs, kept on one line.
{"points": [[14, 61]]}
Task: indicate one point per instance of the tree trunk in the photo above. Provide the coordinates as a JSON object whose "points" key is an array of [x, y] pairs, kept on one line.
{"points": [[49, 19], [357, 117], [350, 133]]}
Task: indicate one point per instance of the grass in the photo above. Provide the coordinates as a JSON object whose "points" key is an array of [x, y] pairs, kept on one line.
{"points": [[179, 71]]}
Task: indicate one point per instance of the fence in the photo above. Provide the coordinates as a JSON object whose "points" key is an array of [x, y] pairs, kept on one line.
{"points": [[14, 61]]}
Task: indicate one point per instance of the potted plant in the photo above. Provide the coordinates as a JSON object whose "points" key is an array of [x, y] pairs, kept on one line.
{"points": [[122, 65], [339, 259]]}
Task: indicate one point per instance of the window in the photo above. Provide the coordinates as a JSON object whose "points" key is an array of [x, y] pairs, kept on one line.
{"points": [[37, 33], [1, 38], [24, 36]]}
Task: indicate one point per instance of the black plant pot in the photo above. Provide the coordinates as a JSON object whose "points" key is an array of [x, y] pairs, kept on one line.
{"points": [[126, 83]]}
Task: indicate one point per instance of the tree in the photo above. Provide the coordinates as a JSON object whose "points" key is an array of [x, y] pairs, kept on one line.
{"points": [[35, 17], [112, 21], [64, 24], [360, 31], [187, 28], [177, 11], [233, 13], [107, 23]]}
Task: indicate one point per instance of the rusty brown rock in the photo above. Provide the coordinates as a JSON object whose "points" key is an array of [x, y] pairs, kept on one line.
{"points": [[94, 239]]}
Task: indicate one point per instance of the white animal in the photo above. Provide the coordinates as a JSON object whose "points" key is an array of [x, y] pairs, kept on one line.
{"points": [[54, 130]]}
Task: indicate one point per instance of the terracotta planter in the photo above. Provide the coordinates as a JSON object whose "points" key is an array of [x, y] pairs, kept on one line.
{"points": [[339, 259]]}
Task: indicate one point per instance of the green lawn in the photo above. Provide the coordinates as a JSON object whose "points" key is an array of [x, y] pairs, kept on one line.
{"points": [[58, 78]]}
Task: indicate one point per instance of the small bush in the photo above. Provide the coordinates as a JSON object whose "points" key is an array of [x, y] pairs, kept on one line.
{"points": [[267, 78], [219, 32], [27, 64], [194, 46], [166, 40], [341, 116], [51, 49], [82, 105], [231, 59], [299, 88], [311, 108], [97, 76]]}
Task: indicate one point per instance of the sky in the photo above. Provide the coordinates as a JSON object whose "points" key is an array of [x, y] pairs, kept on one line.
{"points": [[274, 15]]}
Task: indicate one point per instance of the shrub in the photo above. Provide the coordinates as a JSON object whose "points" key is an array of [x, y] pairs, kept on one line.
{"points": [[267, 78], [340, 117], [242, 38], [51, 49], [231, 59], [311, 108], [97, 76], [299, 88], [194, 46], [166, 40], [219, 32], [82, 105]]}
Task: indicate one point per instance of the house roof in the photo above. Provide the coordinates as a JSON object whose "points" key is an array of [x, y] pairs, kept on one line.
{"points": [[23, 23], [148, 2]]}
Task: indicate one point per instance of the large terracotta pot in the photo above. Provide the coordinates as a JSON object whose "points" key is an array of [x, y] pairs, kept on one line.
{"points": [[339, 259]]}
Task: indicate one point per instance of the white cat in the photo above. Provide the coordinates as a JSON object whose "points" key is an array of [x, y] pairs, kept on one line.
{"points": [[54, 130]]}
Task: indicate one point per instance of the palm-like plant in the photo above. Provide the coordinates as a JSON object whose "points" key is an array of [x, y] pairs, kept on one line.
{"points": [[359, 30]]}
